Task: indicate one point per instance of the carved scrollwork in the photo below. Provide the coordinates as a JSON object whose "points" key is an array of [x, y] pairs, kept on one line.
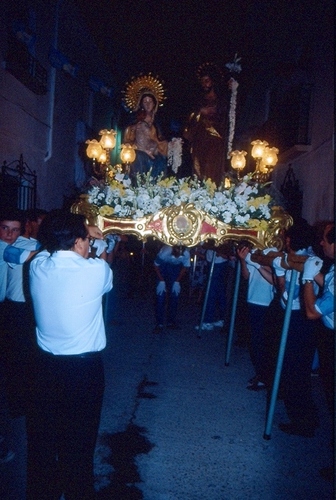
{"points": [[279, 222], [82, 206], [185, 225]]}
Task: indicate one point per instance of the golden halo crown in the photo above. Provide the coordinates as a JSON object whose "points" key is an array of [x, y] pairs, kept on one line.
{"points": [[143, 84], [210, 69]]}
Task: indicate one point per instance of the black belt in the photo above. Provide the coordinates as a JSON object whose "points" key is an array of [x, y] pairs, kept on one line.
{"points": [[82, 355]]}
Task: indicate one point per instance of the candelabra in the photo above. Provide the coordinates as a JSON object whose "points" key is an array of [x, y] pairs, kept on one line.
{"points": [[266, 158], [127, 156], [99, 152]]}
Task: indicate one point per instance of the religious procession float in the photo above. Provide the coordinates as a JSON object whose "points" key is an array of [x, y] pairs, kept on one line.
{"points": [[182, 211]]}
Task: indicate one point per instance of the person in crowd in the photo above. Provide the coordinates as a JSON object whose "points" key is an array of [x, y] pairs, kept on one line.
{"points": [[321, 307], [21, 342], [111, 304], [6, 453], [300, 347], [206, 128], [145, 135], [32, 222], [198, 274], [15, 314], [216, 298], [62, 422], [171, 264], [11, 223], [260, 294]]}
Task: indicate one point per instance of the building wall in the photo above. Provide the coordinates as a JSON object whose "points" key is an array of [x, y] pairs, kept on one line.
{"points": [[49, 129], [315, 169]]}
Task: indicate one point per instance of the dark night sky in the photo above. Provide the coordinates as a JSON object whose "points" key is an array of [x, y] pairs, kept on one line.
{"points": [[171, 38]]}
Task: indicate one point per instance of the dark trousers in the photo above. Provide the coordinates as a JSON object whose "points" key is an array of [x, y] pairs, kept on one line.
{"points": [[4, 415], [326, 352], [167, 302], [18, 354], [258, 351], [296, 373], [62, 426], [217, 295]]}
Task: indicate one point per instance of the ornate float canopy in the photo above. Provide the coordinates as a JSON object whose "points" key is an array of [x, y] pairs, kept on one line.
{"points": [[185, 224]]}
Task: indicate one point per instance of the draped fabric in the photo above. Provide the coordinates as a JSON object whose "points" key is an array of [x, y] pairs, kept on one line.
{"points": [[207, 133]]}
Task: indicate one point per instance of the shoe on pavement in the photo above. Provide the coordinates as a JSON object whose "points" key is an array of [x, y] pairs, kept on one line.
{"points": [[205, 326], [253, 380], [219, 323], [297, 430], [257, 386]]}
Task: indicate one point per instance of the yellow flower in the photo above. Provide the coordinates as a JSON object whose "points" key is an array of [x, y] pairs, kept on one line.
{"points": [[167, 183], [260, 225], [106, 210], [260, 200], [117, 185], [210, 186], [185, 189]]}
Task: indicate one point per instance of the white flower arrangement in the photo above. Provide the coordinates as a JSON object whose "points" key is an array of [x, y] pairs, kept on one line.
{"points": [[175, 153], [245, 205], [234, 68], [232, 114]]}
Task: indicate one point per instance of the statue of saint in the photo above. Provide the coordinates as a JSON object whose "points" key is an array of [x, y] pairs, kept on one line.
{"points": [[143, 96], [207, 126]]}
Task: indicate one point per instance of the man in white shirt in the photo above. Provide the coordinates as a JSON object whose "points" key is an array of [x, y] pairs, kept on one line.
{"points": [[300, 345], [62, 425], [321, 307], [21, 343], [260, 293], [10, 229]]}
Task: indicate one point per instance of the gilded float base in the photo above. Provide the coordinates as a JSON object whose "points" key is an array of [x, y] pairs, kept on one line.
{"points": [[185, 225]]}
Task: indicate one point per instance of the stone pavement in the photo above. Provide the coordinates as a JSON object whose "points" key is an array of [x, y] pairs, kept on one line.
{"points": [[177, 424]]}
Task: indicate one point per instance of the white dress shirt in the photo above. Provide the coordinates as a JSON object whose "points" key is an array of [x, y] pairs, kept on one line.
{"points": [[15, 291], [67, 292], [9, 254]]}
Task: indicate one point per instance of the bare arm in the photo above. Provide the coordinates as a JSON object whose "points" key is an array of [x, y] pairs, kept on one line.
{"points": [[31, 255], [182, 273], [266, 272], [319, 278], [94, 232], [158, 272], [280, 284], [309, 300], [242, 252], [111, 255], [97, 234]]}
